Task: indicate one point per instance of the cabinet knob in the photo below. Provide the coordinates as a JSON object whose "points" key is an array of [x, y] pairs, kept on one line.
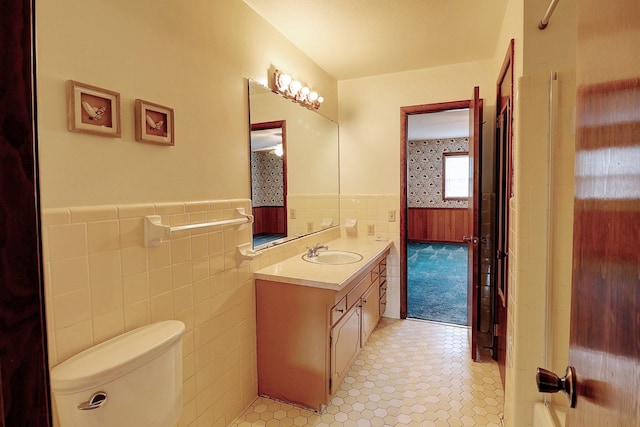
{"points": [[340, 310]]}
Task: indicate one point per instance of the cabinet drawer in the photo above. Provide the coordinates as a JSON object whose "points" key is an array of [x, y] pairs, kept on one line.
{"points": [[354, 294], [375, 275], [338, 310]]}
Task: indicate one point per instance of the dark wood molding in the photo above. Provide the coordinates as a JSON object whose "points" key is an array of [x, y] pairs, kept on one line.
{"points": [[503, 191], [405, 112], [274, 125], [23, 347]]}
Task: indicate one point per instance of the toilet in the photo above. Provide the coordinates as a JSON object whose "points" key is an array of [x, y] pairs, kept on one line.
{"points": [[134, 379]]}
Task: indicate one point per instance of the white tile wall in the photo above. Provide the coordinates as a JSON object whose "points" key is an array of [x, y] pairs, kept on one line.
{"points": [[101, 281], [372, 210]]}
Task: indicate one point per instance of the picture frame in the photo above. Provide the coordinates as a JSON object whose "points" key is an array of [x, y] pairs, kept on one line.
{"points": [[154, 123], [93, 110]]}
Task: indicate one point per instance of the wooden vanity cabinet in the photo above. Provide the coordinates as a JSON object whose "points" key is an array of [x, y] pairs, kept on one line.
{"points": [[308, 337]]}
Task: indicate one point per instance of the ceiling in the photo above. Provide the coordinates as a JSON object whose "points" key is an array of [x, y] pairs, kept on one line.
{"points": [[265, 139], [358, 38], [443, 124]]}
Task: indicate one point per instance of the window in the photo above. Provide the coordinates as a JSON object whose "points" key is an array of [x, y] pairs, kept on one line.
{"points": [[455, 176]]}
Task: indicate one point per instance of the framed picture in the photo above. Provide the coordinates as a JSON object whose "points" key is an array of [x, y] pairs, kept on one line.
{"points": [[154, 123], [92, 110]]}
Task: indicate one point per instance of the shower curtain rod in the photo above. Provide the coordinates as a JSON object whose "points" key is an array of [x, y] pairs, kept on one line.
{"points": [[547, 15]]}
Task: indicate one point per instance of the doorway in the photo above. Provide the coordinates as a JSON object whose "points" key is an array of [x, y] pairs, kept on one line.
{"points": [[437, 205], [472, 225], [268, 181]]}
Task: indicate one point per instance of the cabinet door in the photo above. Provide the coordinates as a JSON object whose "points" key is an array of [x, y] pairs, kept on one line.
{"points": [[345, 344], [370, 311]]}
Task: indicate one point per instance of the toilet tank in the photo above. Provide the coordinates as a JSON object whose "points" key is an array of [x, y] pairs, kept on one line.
{"points": [[134, 379]]}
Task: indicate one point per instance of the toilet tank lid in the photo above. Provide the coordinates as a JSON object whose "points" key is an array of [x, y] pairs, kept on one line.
{"points": [[113, 358]]}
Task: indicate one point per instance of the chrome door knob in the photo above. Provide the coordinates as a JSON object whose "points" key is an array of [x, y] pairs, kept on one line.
{"points": [[548, 382]]}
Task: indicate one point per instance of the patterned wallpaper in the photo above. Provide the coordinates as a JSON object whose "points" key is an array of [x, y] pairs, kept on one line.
{"points": [[425, 172], [267, 182]]}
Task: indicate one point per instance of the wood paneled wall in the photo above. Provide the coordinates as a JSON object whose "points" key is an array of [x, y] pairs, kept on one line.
{"points": [[438, 224], [269, 220]]}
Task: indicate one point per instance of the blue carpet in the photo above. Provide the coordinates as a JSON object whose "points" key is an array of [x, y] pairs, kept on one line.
{"points": [[265, 238], [437, 282]]}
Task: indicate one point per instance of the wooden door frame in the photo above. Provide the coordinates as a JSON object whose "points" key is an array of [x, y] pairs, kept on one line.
{"points": [[503, 101], [405, 112], [274, 125]]}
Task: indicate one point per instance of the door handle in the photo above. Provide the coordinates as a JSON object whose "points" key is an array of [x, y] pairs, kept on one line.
{"points": [[548, 382], [471, 239]]}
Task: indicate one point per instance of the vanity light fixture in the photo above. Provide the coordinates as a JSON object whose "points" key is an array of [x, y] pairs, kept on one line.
{"points": [[295, 91]]}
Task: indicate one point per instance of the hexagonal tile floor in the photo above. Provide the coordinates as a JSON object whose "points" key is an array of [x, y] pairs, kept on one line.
{"points": [[410, 372]]}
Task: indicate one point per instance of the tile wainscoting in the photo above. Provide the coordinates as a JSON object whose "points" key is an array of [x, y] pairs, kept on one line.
{"points": [[101, 281]]}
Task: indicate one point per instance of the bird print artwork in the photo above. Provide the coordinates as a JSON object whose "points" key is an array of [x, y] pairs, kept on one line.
{"points": [[95, 113], [154, 125]]}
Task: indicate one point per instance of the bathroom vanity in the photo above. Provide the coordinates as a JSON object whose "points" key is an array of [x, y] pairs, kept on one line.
{"points": [[313, 319]]}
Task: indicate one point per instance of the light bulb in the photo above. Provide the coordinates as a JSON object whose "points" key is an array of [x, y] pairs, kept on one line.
{"points": [[313, 96], [295, 86], [278, 151], [283, 82], [320, 100]]}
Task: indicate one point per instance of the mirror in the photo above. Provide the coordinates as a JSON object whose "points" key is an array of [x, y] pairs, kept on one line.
{"points": [[294, 168]]}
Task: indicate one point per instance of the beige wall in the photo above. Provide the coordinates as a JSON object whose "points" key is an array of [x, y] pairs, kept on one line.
{"points": [[100, 280], [370, 118], [370, 136], [541, 252], [194, 59]]}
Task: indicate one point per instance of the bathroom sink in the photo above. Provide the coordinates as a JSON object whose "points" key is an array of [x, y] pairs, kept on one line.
{"points": [[333, 257]]}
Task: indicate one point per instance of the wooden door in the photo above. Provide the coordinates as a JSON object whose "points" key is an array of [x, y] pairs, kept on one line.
{"points": [[503, 192], [475, 172], [605, 298]]}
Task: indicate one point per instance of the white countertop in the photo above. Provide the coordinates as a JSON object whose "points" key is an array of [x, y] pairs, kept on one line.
{"points": [[296, 271]]}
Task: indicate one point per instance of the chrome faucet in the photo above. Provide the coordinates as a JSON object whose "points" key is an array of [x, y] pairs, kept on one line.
{"points": [[313, 252]]}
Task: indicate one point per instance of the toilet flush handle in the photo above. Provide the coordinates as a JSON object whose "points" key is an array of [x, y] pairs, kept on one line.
{"points": [[96, 400]]}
